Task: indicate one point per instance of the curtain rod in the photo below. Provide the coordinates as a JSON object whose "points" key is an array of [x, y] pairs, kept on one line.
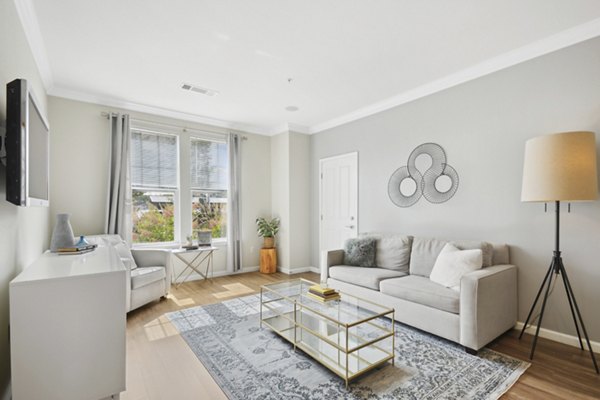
{"points": [[107, 115]]}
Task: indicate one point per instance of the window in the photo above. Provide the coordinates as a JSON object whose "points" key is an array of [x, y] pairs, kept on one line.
{"points": [[154, 166], [168, 202], [208, 176]]}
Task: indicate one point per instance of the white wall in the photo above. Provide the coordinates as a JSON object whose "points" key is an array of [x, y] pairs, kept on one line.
{"points": [[280, 195], [483, 126], [80, 171], [23, 231], [299, 201], [290, 199]]}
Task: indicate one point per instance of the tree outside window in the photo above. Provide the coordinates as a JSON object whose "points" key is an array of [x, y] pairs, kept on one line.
{"points": [[153, 216], [209, 212]]}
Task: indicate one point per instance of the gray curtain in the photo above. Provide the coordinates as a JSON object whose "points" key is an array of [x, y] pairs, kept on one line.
{"points": [[118, 218], [234, 243]]}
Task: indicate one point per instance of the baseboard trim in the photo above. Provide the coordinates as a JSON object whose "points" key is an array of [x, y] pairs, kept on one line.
{"points": [[287, 271], [293, 271], [558, 337], [7, 395], [197, 277]]}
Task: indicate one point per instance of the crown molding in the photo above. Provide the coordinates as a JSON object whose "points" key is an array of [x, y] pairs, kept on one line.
{"points": [[148, 109], [289, 127], [298, 128], [566, 38], [276, 130], [34, 37]]}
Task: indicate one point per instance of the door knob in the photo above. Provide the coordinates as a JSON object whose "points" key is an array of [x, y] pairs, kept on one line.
{"points": [[350, 226]]}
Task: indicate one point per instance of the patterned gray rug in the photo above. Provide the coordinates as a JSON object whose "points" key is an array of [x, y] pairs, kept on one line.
{"points": [[252, 363]]}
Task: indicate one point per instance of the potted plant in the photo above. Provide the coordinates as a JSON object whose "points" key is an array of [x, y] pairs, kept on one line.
{"points": [[267, 230]]}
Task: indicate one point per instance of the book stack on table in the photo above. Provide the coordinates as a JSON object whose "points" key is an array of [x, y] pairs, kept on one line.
{"points": [[322, 294], [76, 249]]}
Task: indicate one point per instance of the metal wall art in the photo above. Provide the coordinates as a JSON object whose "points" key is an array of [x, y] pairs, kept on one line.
{"points": [[437, 184]]}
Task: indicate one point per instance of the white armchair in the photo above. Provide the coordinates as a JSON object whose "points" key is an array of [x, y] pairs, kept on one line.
{"points": [[148, 270]]}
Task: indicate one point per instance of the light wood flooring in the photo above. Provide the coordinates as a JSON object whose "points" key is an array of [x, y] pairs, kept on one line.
{"points": [[160, 365]]}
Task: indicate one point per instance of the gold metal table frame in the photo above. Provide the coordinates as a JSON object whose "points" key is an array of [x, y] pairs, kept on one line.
{"points": [[347, 336], [204, 256]]}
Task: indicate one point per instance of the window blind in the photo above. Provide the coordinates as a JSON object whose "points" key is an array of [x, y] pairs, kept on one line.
{"points": [[208, 164], [153, 160]]}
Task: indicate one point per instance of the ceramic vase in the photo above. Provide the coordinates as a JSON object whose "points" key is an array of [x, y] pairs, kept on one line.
{"points": [[62, 235]]}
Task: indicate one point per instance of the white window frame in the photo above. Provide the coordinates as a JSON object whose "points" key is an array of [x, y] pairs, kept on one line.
{"points": [[208, 137], [176, 190], [184, 190]]}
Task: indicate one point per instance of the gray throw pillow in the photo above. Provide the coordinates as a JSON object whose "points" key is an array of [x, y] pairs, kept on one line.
{"points": [[360, 252]]}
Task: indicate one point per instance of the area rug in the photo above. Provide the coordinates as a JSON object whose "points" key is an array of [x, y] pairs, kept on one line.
{"points": [[248, 362]]}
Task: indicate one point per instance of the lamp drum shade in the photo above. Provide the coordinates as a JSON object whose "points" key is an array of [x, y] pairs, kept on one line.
{"points": [[560, 167]]}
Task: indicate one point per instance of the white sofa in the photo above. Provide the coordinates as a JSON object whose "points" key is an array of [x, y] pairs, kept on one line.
{"points": [[483, 308], [148, 270]]}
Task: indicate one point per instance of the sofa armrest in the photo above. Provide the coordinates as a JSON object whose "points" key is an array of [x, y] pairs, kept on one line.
{"points": [[329, 259], [153, 258], [488, 304]]}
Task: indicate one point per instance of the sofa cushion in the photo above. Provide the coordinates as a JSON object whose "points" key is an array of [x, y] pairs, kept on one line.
{"points": [[487, 249], [421, 290], [423, 254], [368, 277], [453, 263], [360, 252], [392, 251], [146, 275]]}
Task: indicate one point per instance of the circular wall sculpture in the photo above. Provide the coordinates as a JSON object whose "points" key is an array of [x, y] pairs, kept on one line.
{"points": [[437, 184]]}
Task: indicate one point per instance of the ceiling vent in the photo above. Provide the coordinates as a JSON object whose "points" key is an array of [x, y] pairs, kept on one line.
{"points": [[199, 89]]}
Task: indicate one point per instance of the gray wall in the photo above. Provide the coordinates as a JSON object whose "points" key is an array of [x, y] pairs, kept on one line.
{"points": [[23, 231], [483, 126]]}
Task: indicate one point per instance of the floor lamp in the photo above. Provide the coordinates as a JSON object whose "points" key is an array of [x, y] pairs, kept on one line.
{"points": [[560, 167]]}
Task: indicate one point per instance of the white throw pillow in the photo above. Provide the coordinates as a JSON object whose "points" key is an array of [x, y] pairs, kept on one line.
{"points": [[453, 263], [126, 256]]}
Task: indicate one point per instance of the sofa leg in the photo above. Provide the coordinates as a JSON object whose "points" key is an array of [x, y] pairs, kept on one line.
{"points": [[471, 351]]}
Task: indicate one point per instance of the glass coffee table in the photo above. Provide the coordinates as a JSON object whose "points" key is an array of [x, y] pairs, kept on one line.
{"points": [[350, 336]]}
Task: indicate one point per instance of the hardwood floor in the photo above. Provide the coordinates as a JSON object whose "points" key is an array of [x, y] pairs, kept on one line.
{"points": [[557, 371], [160, 365]]}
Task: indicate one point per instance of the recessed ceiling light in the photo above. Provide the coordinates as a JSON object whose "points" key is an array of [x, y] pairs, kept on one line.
{"points": [[199, 89], [291, 108]]}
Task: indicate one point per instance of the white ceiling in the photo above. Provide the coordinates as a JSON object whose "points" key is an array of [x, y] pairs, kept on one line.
{"points": [[347, 58]]}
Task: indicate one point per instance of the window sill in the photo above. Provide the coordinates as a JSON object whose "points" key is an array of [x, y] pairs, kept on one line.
{"points": [[173, 245], [157, 245], [219, 242]]}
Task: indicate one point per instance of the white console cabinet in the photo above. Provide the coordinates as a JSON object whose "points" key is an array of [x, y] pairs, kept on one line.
{"points": [[67, 327]]}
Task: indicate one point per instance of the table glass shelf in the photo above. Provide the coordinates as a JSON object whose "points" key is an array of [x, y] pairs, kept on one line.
{"points": [[350, 336]]}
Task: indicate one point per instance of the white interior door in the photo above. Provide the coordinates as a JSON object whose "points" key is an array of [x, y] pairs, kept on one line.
{"points": [[338, 193]]}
